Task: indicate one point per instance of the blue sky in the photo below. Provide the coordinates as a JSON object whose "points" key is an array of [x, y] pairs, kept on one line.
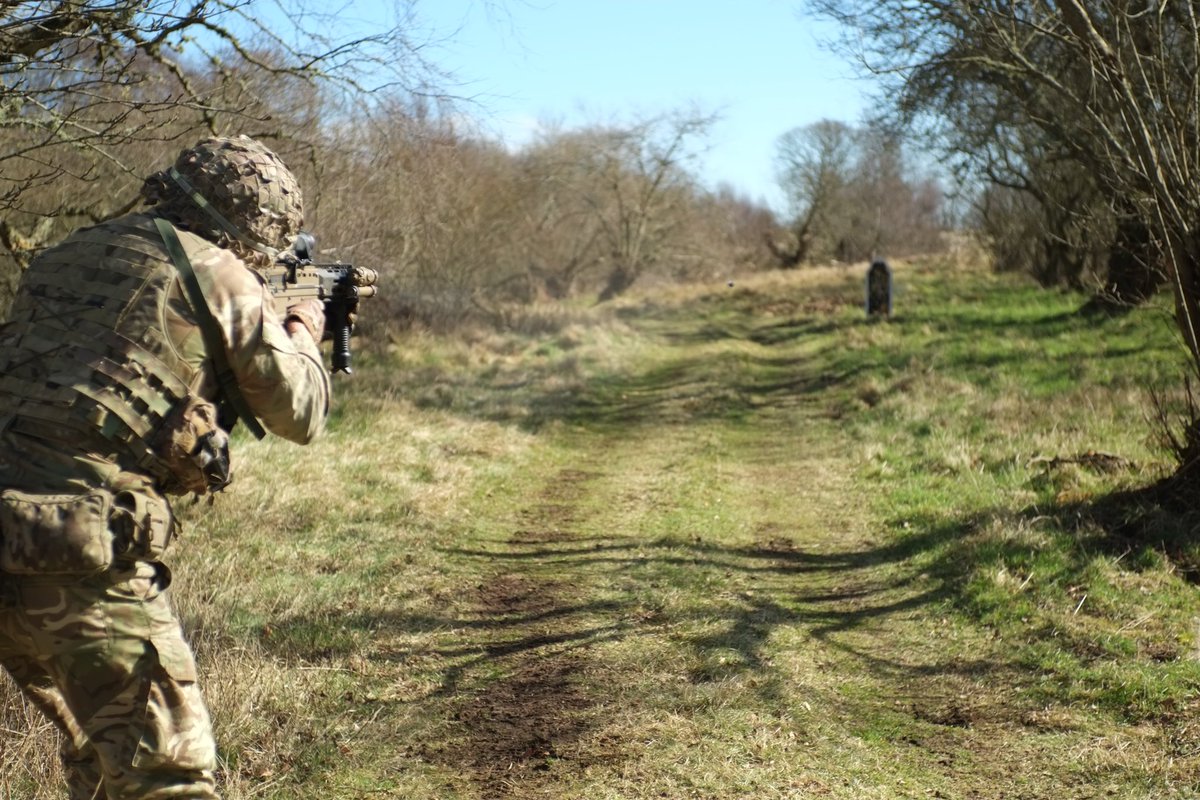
{"points": [[755, 63]]}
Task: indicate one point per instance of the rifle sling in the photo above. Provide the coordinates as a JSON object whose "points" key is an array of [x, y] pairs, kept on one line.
{"points": [[213, 341]]}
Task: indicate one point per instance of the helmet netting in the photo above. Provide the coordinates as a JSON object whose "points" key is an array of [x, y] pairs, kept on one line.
{"points": [[241, 180]]}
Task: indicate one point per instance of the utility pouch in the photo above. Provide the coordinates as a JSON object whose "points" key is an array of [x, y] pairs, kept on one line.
{"points": [[55, 534], [142, 525]]}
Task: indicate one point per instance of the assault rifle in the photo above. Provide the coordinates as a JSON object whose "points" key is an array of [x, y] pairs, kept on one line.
{"points": [[295, 276]]}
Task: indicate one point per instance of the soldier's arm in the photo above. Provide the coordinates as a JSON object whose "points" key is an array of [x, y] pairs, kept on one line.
{"points": [[279, 370]]}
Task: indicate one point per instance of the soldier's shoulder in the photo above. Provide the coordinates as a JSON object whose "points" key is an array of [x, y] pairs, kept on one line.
{"points": [[129, 223], [220, 265], [88, 238]]}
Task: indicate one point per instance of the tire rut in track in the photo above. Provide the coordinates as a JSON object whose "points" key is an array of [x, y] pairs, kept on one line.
{"points": [[521, 730]]}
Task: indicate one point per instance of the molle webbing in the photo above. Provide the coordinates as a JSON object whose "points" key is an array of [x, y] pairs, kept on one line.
{"points": [[122, 396], [98, 274], [70, 373]]}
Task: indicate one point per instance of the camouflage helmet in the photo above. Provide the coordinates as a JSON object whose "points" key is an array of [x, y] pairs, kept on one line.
{"points": [[231, 190]]}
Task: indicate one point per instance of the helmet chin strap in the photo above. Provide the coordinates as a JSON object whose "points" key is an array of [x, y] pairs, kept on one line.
{"points": [[225, 225]]}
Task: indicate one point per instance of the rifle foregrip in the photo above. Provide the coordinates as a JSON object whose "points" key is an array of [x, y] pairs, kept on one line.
{"points": [[341, 347]]}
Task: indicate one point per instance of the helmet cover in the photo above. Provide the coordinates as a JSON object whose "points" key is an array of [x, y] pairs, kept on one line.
{"points": [[241, 180]]}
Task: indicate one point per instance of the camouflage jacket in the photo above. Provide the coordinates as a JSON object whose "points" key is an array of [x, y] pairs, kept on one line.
{"points": [[102, 345]]}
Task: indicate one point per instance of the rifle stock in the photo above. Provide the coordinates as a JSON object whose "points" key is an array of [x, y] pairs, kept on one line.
{"points": [[295, 277]]}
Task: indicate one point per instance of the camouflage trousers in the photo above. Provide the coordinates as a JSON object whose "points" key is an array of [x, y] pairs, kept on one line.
{"points": [[106, 661]]}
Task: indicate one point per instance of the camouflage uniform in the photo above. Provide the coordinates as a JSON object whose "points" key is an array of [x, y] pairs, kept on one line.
{"points": [[106, 404]]}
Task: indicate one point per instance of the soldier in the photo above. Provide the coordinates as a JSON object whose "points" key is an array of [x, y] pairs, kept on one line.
{"points": [[131, 347]]}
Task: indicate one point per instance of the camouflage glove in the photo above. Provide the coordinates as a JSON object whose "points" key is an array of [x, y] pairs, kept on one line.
{"points": [[309, 313]]}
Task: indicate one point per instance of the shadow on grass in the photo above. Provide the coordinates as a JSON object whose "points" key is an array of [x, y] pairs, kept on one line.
{"points": [[739, 598], [733, 357], [723, 607], [732, 383], [1161, 518], [727, 386]]}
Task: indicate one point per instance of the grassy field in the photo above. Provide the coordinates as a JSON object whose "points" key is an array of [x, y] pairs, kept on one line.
{"points": [[717, 542]]}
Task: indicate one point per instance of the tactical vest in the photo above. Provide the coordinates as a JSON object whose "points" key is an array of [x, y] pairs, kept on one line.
{"points": [[86, 359]]}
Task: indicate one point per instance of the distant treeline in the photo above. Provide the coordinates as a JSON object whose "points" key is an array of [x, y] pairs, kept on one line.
{"points": [[398, 176]]}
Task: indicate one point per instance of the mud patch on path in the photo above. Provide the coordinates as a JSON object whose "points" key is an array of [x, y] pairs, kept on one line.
{"points": [[525, 726], [512, 595], [521, 731], [556, 511]]}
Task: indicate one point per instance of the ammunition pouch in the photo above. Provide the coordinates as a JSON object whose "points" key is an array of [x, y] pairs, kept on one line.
{"points": [[55, 534], [142, 525], [77, 535]]}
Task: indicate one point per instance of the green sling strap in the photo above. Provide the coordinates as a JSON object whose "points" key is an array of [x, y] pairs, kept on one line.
{"points": [[208, 328]]}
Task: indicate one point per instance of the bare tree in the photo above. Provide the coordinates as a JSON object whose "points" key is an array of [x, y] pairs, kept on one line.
{"points": [[605, 204], [94, 92], [731, 232], [85, 85], [854, 195], [998, 126], [642, 183], [412, 191], [1059, 232], [558, 230], [814, 165]]}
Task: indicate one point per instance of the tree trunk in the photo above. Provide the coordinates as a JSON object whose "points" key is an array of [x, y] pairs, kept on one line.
{"points": [[619, 280], [1133, 271], [1184, 262], [790, 259]]}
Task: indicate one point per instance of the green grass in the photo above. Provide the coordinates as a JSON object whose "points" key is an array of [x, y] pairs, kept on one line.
{"points": [[715, 542]]}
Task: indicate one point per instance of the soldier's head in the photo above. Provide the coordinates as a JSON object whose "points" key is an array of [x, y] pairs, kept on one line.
{"points": [[232, 191]]}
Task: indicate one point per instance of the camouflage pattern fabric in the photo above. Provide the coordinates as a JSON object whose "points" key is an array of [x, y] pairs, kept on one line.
{"points": [[65, 303], [239, 179], [103, 655], [280, 375], [106, 661]]}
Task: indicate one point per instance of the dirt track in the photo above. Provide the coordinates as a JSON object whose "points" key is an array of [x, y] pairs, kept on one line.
{"points": [[680, 604], [535, 714]]}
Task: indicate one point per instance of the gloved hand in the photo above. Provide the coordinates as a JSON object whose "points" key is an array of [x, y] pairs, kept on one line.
{"points": [[311, 314]]}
